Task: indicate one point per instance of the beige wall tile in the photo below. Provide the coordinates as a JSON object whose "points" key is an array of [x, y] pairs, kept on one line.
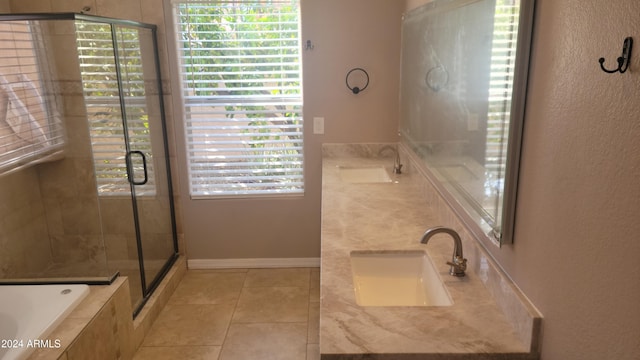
{"points": [[117, 216], [109, 335], [74, 105], [64, 53], [66, 333], [154, 214], [81, 216], [150, 312], [55, 179], [120, 9], [23, 225], [72, 5], [98, 341], [123, 324], [30, 5], [118, 246], [153, 12], [78, 143], [78, 249], [98, 296]]}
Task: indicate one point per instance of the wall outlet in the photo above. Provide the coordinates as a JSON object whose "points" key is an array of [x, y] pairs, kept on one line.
{"points": [[318, 125]]}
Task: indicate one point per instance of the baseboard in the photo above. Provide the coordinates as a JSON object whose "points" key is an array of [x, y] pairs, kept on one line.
{"points": [[203, 264]]}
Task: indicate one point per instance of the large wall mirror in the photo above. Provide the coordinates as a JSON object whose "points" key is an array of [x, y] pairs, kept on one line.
{"points": [[463, 85]]}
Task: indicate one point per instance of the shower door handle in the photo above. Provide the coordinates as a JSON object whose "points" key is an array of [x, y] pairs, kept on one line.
{"points": [[130, 173]]}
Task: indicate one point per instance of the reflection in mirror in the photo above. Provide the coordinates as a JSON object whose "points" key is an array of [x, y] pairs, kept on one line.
{"points": [[463, 82]]}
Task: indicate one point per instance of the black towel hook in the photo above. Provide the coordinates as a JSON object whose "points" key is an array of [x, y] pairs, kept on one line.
{"points": [[356, 89], [623, 60]]}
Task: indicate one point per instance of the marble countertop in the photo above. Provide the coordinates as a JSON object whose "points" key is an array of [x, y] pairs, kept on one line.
{"points": [[393, 216]]}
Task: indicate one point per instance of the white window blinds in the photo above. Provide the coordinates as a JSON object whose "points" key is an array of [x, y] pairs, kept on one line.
{"points": [[30, 127], [241, 82], [503, 55]]}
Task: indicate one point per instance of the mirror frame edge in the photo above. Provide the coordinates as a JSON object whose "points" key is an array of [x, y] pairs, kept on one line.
{"points": [[520, 87]]}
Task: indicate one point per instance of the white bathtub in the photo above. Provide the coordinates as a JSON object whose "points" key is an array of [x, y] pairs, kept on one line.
{"points": [[28, 314]]}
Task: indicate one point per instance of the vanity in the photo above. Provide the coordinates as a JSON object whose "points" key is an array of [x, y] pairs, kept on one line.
{"points": [[365, 214]]}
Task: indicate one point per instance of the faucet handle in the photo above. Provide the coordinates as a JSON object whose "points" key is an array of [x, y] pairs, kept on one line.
{"points": [[458, 266]]}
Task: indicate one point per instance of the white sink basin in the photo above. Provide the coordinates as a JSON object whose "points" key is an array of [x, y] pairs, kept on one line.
{"points": [[397, 278], [373, 174]]}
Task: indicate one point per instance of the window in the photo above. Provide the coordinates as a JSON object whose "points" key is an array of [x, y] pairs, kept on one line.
{"points": [[30, 127], [240, 68]]}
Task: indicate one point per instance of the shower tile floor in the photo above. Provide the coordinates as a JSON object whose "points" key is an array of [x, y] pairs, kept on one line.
{"points": [[239, 314]]}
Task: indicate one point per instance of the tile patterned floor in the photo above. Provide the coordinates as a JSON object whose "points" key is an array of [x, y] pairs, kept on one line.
{"points": [[239, 314]]}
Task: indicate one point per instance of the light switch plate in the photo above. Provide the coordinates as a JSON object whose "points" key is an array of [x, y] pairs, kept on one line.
{"points": [[318, 125]]}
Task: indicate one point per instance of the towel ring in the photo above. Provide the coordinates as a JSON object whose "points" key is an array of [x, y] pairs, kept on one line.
{"points": [[356, 89]]}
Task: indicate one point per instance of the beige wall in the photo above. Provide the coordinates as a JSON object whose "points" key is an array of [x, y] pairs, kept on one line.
{"points": [[345, 34], [348, 34], [577, 229]]}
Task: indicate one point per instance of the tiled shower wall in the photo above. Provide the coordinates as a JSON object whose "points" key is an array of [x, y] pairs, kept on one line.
{"points": [[54, 206], [23, 223]]}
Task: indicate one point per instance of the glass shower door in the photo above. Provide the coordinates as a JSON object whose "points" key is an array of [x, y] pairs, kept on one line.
{"points": [[108, 138], [147, 154], [125, 111]]}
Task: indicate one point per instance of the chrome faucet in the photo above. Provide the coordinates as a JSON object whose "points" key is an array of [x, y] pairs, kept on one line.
{"points": [[397, 166], [458, 262]]}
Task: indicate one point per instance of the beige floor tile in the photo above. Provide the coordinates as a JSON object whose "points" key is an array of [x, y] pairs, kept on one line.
{"points": [[315, 277], [298, 277], [265, 342], [314, 285], [272, 304], [190, 325], [313, 332], [276, 317], [313, 352], [314, 295], [203, 287], [178, 352]]}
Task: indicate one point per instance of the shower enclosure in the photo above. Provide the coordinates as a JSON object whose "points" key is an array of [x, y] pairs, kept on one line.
{"points": [[85, 182]]}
